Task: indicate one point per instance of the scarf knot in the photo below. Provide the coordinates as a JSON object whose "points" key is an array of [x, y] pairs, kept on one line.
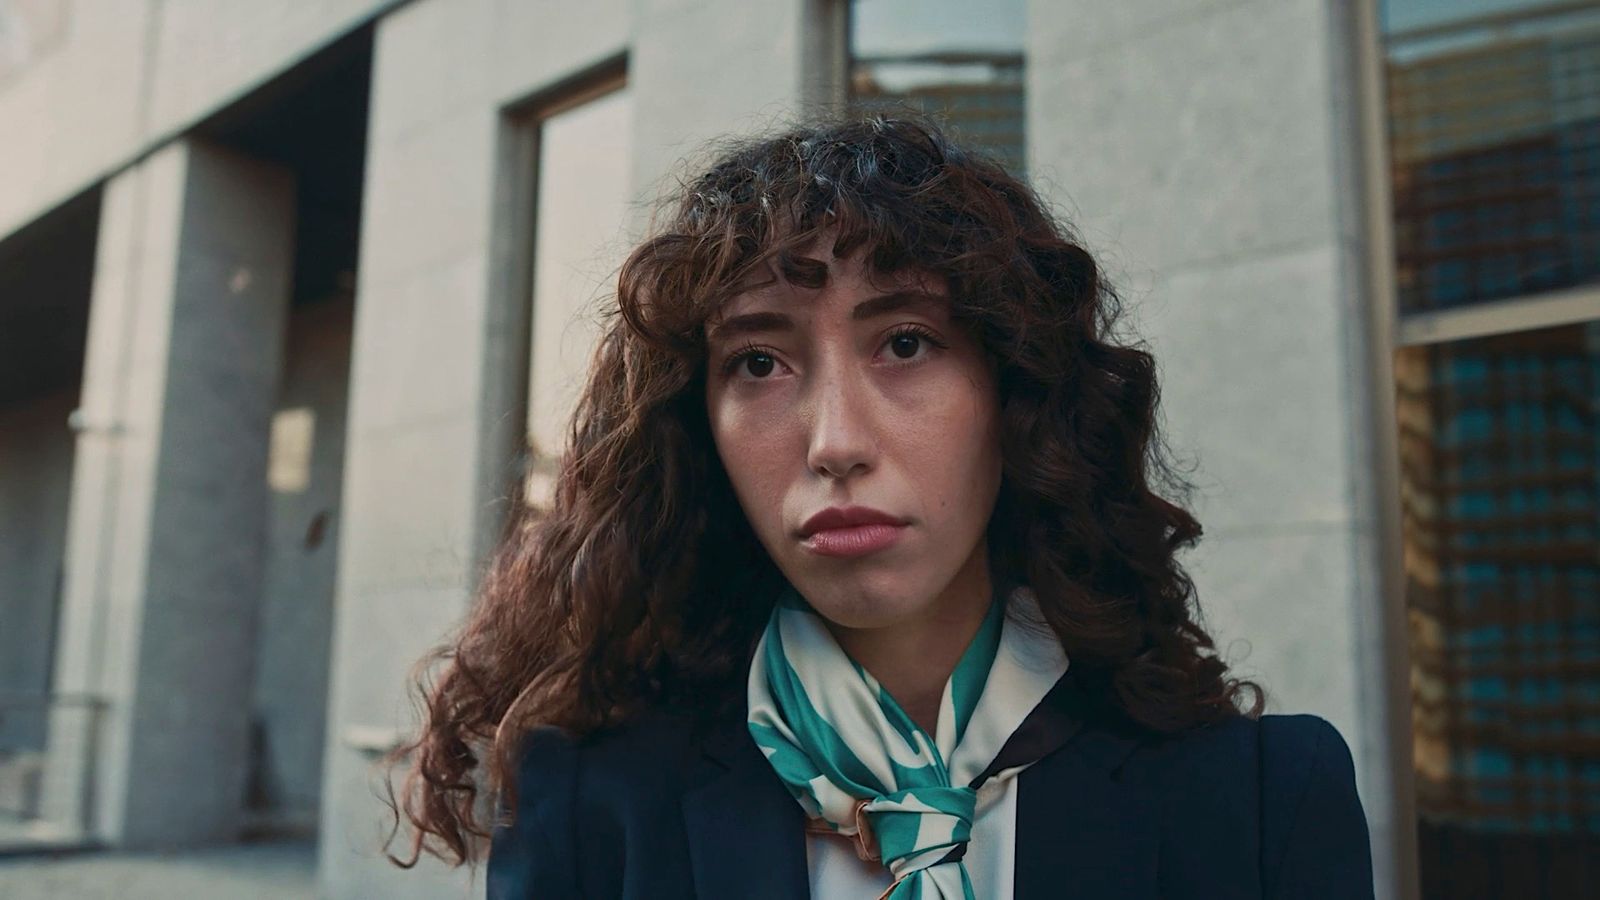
{"points": [[916, 828]]}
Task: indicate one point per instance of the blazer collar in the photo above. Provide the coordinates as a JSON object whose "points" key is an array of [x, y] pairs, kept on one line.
{"points": [[746, 832], [1078, 824], [1082, 828]]}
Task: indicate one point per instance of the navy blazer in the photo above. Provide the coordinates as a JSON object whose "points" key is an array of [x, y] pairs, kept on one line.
{"points": [[659, 809]]}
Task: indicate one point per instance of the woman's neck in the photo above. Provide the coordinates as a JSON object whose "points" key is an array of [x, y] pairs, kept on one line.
{"points": [[913, 660]]}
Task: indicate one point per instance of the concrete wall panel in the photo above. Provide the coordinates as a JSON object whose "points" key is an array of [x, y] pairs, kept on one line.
{"points": [[1250, 344], [1206, 157], [535, 43], [1220, 117], [691, 88], [103, 83]]}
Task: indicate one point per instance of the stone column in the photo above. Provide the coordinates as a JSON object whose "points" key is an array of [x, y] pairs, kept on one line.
{"points": [[165, 531], [1210, 160]]}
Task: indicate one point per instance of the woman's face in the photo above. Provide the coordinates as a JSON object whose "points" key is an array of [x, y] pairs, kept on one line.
{"points": [[860, 394]]}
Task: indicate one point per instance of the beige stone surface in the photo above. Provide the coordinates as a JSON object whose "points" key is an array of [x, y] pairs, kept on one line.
{"points": [[118, 79], [1206, 156]]}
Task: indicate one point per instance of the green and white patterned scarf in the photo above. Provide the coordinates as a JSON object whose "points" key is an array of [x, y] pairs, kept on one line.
{"points": [[852, 757]]}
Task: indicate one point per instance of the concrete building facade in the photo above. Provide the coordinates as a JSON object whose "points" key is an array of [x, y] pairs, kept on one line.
{"points": [[270, 456]]}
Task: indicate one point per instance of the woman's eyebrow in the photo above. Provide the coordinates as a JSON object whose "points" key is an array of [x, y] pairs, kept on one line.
{"points": [[756, 322], [887, 303], [750, 323]]}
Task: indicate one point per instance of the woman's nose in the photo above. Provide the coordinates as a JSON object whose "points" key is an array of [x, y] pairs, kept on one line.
{"points": [[843, 439]]}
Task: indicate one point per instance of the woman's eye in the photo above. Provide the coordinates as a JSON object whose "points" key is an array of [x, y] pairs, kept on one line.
{"points": [[758, 364], [905, 345], [752, 360]]}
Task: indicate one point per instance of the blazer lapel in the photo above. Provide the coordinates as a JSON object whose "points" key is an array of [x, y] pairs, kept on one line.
{"points": [[1081, 831], [746, 832]]}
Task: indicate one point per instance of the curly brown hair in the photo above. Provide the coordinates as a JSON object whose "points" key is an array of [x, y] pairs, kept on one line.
{"points": [[634, 588]]}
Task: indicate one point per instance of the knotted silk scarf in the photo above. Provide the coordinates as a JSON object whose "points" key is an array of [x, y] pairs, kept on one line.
{"points": [[858, 764]]}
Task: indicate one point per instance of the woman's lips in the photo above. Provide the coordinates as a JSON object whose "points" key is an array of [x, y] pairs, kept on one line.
{"points": [[856, 540]]}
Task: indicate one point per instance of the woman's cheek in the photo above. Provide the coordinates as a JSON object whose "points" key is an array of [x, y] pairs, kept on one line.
{"points": [[747, 445]]}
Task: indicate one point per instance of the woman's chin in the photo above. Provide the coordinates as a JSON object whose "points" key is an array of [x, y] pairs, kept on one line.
{"points": [[867, 612]]}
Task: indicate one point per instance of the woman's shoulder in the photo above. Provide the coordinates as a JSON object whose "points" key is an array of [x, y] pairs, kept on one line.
{"points": [[1304, 751], [590, 789], [1283, 757], [1290, 779], [1283, 752], [618, 758], [1282, 745]]}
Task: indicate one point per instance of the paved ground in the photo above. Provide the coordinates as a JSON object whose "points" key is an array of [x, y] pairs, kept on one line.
{"points": [[272, 871]]}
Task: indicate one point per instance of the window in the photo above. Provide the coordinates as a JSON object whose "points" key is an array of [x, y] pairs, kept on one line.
{"points": [[1500, 475], [580, 213], [1494, 123], [1493, 110], [959, 62]]}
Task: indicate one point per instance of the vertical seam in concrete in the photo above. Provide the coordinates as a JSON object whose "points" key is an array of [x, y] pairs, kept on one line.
{"points": [[1358, 383], [147, 77], [115, 432], [1355, 53], [119, 406], [117, 428]]}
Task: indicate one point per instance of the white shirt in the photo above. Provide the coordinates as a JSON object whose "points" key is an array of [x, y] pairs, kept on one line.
{"points": [[837, 873]]}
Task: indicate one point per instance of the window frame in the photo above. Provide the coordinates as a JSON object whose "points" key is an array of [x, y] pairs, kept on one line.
{"points": [[508, 463], [1388, 329]]}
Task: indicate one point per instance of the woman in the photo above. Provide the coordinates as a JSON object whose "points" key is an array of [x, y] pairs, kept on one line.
{"points": [[855, 583]]}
